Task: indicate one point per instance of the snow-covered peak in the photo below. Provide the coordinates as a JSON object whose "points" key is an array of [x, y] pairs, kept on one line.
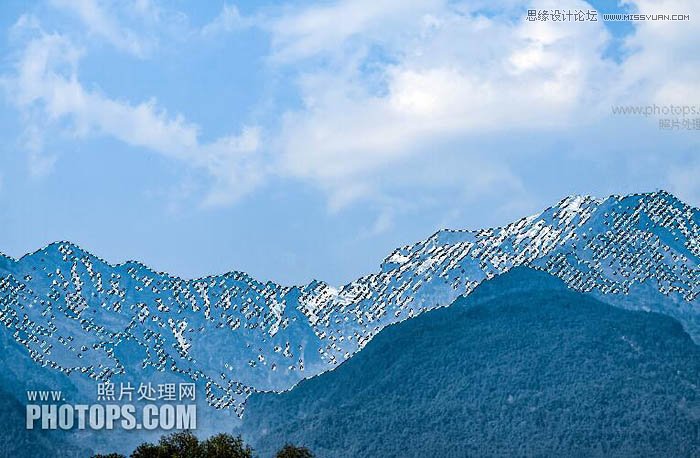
{"points": [[73, 311]]}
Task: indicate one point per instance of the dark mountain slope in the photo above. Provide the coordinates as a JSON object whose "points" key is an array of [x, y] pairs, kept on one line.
{"points": [[521, 367]]}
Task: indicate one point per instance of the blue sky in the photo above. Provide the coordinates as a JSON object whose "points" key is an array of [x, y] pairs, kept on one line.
{"points": [[304, 140]]}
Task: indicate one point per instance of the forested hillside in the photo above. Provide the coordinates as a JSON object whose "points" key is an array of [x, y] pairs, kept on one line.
{"points": [[522, 367]]}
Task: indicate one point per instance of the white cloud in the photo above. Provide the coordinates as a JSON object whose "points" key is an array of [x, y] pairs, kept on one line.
{"points": [[447, 74], [229, 19], [388, 83], [657, 47], [47, 90], [41, 163], [327, 28], [389, 89], [100, 19]]}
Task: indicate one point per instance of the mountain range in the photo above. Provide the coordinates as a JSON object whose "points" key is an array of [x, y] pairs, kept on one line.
{"points": [[75, 314]]}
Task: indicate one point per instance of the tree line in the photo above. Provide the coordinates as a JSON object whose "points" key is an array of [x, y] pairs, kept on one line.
{"points": [[186, 445]]}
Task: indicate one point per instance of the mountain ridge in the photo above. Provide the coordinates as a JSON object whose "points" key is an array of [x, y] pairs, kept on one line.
{"points": [[623, 247], [147, 267]]}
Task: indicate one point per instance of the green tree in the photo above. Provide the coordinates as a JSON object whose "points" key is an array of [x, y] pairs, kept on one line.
{"points": [[226, 446], [177, 445], [186, 445], [181, 445], [149, 451], [292, 451]]}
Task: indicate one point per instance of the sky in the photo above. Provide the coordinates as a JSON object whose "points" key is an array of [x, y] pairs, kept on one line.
{"points": [[307, 140]]}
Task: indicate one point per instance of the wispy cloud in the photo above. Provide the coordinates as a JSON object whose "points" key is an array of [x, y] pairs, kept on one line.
{"points": [[228, 20], [327, 28], [47, 89], [100, 20]]}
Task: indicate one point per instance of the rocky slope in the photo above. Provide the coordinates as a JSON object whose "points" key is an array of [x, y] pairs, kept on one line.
{"points": [[233, 335]]}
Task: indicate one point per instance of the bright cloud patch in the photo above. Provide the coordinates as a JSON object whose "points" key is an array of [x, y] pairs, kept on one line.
{"points": [[386, 89]]}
